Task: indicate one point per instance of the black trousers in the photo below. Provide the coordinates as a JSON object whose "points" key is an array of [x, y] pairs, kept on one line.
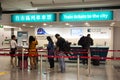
{"points": [[51, 62], [85, 60]]}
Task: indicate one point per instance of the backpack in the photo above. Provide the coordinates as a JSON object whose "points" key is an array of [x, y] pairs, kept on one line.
{"points": [[87, 42], [66, 46], [81, 41]]}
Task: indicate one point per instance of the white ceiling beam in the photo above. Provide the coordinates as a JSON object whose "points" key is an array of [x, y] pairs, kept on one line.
{"points": [[77, 5]]}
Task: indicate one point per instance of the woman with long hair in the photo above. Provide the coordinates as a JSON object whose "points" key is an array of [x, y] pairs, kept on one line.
{"points": [[32, 51], [50, 48]]}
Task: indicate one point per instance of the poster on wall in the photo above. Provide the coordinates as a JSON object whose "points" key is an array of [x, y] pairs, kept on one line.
{"points": [[41, 31], [76, 32], [22, 38], [99, 33], [41, 34]]}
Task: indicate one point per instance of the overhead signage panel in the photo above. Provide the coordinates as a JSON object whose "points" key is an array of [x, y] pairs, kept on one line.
{"points": [[46, 17], [86, 16]]}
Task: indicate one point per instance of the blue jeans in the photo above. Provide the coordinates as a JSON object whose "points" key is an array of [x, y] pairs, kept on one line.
{"points": [[61, 62]]}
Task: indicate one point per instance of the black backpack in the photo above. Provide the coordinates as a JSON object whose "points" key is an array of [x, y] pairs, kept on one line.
{"points": [[66, 46]]}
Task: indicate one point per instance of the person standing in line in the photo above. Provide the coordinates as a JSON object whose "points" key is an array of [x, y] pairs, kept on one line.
{"points": [[80, 42], [50, 48], [86, 43], [32, 52], [60, 48], [13, 48]]}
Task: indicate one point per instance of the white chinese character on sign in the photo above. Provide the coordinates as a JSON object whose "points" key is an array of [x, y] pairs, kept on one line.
{"points": [[43, 17], [49, 16], [22, 18], [27, 18], [33, 17], [38, 17], [75, 16], [17, 18]]}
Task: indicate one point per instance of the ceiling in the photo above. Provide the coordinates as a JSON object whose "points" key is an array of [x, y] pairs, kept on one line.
{"points": [[55, 4], [71, 24], [17, 5]]}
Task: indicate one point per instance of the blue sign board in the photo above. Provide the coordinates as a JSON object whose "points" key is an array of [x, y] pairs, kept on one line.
{"points": [[86, 16], [45, 17], [41, 31]]}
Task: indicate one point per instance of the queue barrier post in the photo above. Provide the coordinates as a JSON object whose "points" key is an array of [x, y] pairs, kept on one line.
{"points": [[22, 63], [78, 63], [89, 62], [22, 59], [40, 67], [46, 68], [16, 59]]}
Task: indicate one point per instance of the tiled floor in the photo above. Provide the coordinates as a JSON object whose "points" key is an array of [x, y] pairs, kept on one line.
{"points": [[102, 72]]}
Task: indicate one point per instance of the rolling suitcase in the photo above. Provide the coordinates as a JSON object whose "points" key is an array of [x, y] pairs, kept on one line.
{"points": [[23, 64]]}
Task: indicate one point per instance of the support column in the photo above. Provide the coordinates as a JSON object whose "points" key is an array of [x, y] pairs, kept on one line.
{"points": [[12, 31]]}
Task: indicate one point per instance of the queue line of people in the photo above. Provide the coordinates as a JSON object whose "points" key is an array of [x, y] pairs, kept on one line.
{"points": [[52, 49]]}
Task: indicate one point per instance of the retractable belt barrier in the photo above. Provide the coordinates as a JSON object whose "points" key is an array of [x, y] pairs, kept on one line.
{"points": [[89, 57], [55, 56]]}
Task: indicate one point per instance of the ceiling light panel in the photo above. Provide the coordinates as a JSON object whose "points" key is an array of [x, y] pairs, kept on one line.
{"points": [[67, 1], [42, 1], [94, 0], [67, 24], [112, 24], [44, 24]]}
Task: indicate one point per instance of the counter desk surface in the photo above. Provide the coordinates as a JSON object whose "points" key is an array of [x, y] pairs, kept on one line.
{"points": [[39, 49], [78, 46]]}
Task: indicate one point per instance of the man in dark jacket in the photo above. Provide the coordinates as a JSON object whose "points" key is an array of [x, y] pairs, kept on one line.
{"points": [[60, 48], [85, 42]]}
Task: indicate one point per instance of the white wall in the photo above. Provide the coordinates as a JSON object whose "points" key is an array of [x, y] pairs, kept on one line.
{"points": [[117, 15], [1, 36], [4, 32], [101, 36], [31, 31], [6, 19], [116, 41]]}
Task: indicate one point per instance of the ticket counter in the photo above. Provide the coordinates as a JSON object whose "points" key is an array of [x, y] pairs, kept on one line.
{"points": [[101, 51]]}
